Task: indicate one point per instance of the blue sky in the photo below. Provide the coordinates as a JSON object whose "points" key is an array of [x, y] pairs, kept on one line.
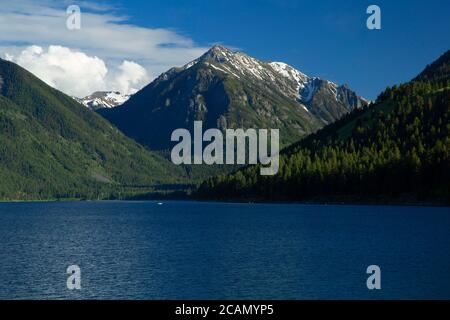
{"points": [[124, 44], [321, 38]]}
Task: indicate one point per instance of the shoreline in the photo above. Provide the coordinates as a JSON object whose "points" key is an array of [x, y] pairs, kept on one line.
{"points": [[398, 203]]}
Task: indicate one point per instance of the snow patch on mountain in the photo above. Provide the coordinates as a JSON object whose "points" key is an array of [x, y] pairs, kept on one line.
{"points": [[104, 99], [278, 76], [190, 64], [309, 89], [224, 70], [291, 73]]}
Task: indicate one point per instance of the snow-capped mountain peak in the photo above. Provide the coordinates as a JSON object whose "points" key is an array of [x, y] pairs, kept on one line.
{"points": [[244, 67], [104, 99], [278, 76], [218, 52], [230, 89]]}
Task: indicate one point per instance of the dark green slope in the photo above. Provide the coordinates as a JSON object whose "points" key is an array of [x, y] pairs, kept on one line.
{"points": [[396, 150], [53, 147]]}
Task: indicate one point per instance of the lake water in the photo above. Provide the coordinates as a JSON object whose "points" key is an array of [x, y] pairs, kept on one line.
{"points": [[192, 250]]}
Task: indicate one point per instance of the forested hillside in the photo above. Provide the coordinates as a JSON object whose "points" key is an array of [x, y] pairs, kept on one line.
{"points": [[53, 147]]}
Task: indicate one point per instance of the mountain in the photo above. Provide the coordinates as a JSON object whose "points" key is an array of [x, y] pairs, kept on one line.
{"points": [[53, 147], [227, 89], [103, 99], [438, 71], [396, 150]]}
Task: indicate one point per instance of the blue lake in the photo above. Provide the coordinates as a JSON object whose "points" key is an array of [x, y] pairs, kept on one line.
{"points": [[194, 250]]}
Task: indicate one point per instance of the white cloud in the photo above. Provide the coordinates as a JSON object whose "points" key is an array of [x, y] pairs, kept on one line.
{"points": [[130, 78], [8, 56], [105, 38], [79, 74]]}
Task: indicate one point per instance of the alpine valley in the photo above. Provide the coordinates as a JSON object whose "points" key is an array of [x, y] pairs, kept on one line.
{"points": [[337, 147]]}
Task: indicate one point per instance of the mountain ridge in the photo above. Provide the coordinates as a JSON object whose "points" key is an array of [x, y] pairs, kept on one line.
{"points": [[103, 99], [228, 89]]}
